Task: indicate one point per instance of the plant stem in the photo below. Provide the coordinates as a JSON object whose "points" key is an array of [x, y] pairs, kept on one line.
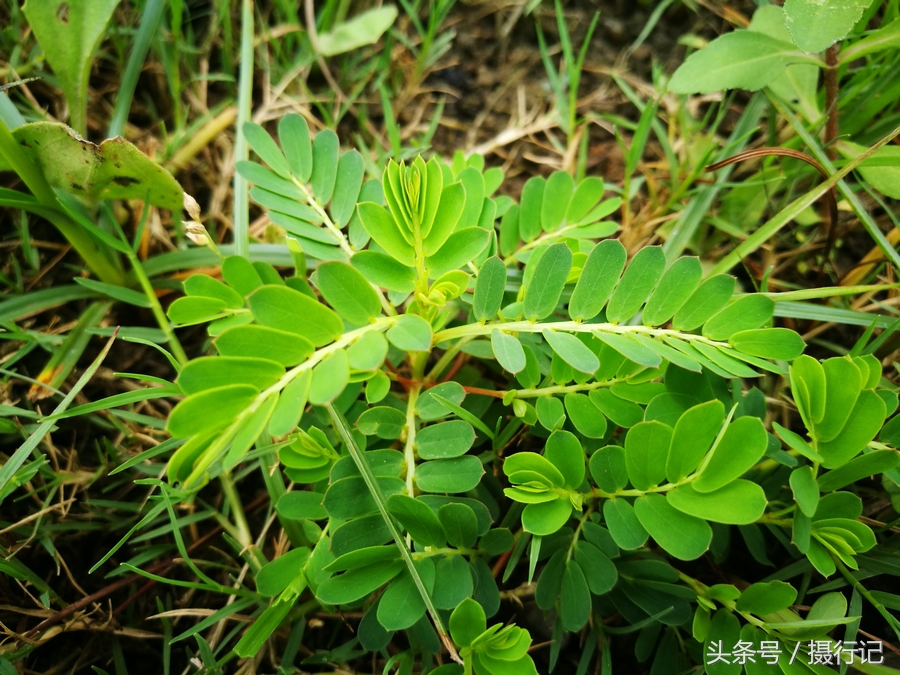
{"points": [[212, 453], [242, 529], [409, 451], [158, 313], [241, 149], [477, 329], [863, 591]]}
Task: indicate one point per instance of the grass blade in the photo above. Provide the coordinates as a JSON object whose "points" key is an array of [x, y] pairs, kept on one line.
{"points": [[21, 454], [241, 148], [153, 11], [375, 489]]}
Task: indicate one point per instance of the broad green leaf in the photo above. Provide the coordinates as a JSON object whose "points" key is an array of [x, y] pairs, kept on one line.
{"points": [[209, 372], [489, 288], [210, 409], [288, 349], [769, 343], [599, 571], [530, 208], [683, 536], [557, 193], [382, 421], [766, 598], [365, 28], [357, 583], [291, 405], [264, 146], [646, 448], [450, 208], [667, 353], [329, 378], [278, 574], [467, 622], [741, 446], [550, 412], [869, 464], [843, 385], [445, 440], [460, 248], [459, 523], [473, 182], [206, 286], [882, 169], [302, 506], [805, 489], [589, 191], [241, 275], [325, 149], [815, 26], [565, 453], [281, 205], [411, 333], [796, 442], [269, 180], [460, 474], [69, 34], [572, 350], [434, 184], [639, 280], [808, 373], [741, 502], [586, 417], [350, 172], [377, 387], [115, 169], [629, 348], [798, 82], [190, 310], [349, 497], [348, 292], [508, 351], [362, 556], [285, 309], [745, 313], [608, 468], [384, 271], [712, 295], [599, 277], [575, 597], [368, 352], [677, 284], [623, 524], [385, 232], [418, 519], [531, 461], [741, 59], [429, 408], [542, 294], [725, 632], [622, 413], [293, 133], [547, 518], [692, 437], [453, 582]]}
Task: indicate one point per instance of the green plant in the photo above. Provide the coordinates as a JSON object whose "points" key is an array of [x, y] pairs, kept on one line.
{"points": [[626, 379]]}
